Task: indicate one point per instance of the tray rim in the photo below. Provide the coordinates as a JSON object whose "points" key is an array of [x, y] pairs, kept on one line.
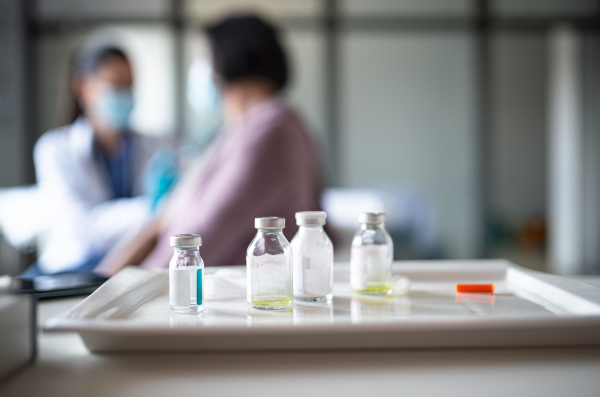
{"points": [[577, 289], [449, 331]]}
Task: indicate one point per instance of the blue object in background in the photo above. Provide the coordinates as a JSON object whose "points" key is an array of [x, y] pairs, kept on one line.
{"points": [[162, 174]]}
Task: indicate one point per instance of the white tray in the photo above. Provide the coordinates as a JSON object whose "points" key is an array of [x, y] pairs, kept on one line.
{"points": [[130, 313]]}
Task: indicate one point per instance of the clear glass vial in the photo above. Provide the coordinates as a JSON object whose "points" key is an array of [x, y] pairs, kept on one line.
{"points": [[269, 266], [186, 269], [313, 258], [371, 256]]}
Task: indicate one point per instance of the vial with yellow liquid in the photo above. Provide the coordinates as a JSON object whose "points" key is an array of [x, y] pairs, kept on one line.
{"points": [[269, 266], [371, 256]]}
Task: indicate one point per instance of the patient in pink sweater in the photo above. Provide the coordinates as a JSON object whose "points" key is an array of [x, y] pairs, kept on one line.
{"points": [[263, 164]]}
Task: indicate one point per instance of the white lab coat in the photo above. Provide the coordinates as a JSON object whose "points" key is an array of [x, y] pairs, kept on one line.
{"points": [[85, 221]]}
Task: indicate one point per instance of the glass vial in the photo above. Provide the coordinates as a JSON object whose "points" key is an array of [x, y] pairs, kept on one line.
{"points": [[269, 266], [186, 274], [313, 258], [371, 256]]}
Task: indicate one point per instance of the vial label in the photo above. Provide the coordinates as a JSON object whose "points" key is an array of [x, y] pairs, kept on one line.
{"points": [[300, 264], [199, 287], [269, 276], [318, 280], [358, 268], [312, 277], [367, 260], [179, 287]]}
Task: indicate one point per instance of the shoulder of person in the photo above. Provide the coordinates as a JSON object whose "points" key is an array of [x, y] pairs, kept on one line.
{"points": [[54, 135], [278, 122], [61, 139]]}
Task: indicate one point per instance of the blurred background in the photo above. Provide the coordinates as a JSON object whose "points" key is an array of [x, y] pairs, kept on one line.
{"points": [[474, 124]]}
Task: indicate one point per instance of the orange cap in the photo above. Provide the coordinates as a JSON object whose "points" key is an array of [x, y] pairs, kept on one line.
{"points": [[475, 288]]}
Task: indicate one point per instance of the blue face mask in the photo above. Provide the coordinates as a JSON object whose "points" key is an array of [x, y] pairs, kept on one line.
{"points": [[114, 107]]}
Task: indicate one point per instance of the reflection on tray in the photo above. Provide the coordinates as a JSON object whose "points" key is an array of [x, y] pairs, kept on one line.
{"points": [[313, 312], [489, 299], [270, 317], [366, 308], [185, 320]]}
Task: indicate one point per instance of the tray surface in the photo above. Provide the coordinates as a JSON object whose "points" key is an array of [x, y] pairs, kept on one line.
{"points": [[131, 312]]}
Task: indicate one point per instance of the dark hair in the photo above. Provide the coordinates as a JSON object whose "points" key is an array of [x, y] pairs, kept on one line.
{"points": [[86, 61], [245, 46], [89, 61]]}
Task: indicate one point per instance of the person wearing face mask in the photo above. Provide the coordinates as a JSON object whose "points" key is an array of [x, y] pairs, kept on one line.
{"points": [[263, 163], [90, 172]]}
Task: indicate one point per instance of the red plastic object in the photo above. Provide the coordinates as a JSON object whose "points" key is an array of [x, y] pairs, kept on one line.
{"points": [[475, 288]]}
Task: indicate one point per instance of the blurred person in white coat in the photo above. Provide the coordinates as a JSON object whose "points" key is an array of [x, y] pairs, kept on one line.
{"points": [[91, 173]]}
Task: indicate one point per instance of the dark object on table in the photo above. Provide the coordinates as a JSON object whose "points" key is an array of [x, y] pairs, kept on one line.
{"points": [[62, 285]]}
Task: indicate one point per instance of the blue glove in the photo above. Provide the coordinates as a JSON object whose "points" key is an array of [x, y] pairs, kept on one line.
{"points": [[162, 174]]}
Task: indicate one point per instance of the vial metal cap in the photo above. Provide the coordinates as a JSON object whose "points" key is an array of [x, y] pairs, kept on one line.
{"points": [[311, 218], [371, 217], [186, 240], [269, 222]]}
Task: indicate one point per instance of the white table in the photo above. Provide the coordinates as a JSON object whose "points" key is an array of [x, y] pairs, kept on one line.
{"points": [[65, 368]]}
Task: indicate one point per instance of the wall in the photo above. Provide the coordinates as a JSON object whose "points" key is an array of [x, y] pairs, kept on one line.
{"points": [[591, 152], [12, 85], [408, 112], [518, 126]]}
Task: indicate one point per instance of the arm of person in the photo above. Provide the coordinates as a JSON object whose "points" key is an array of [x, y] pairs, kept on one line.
{"points": [[87, 226], [130, 251], [105, 224]]}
